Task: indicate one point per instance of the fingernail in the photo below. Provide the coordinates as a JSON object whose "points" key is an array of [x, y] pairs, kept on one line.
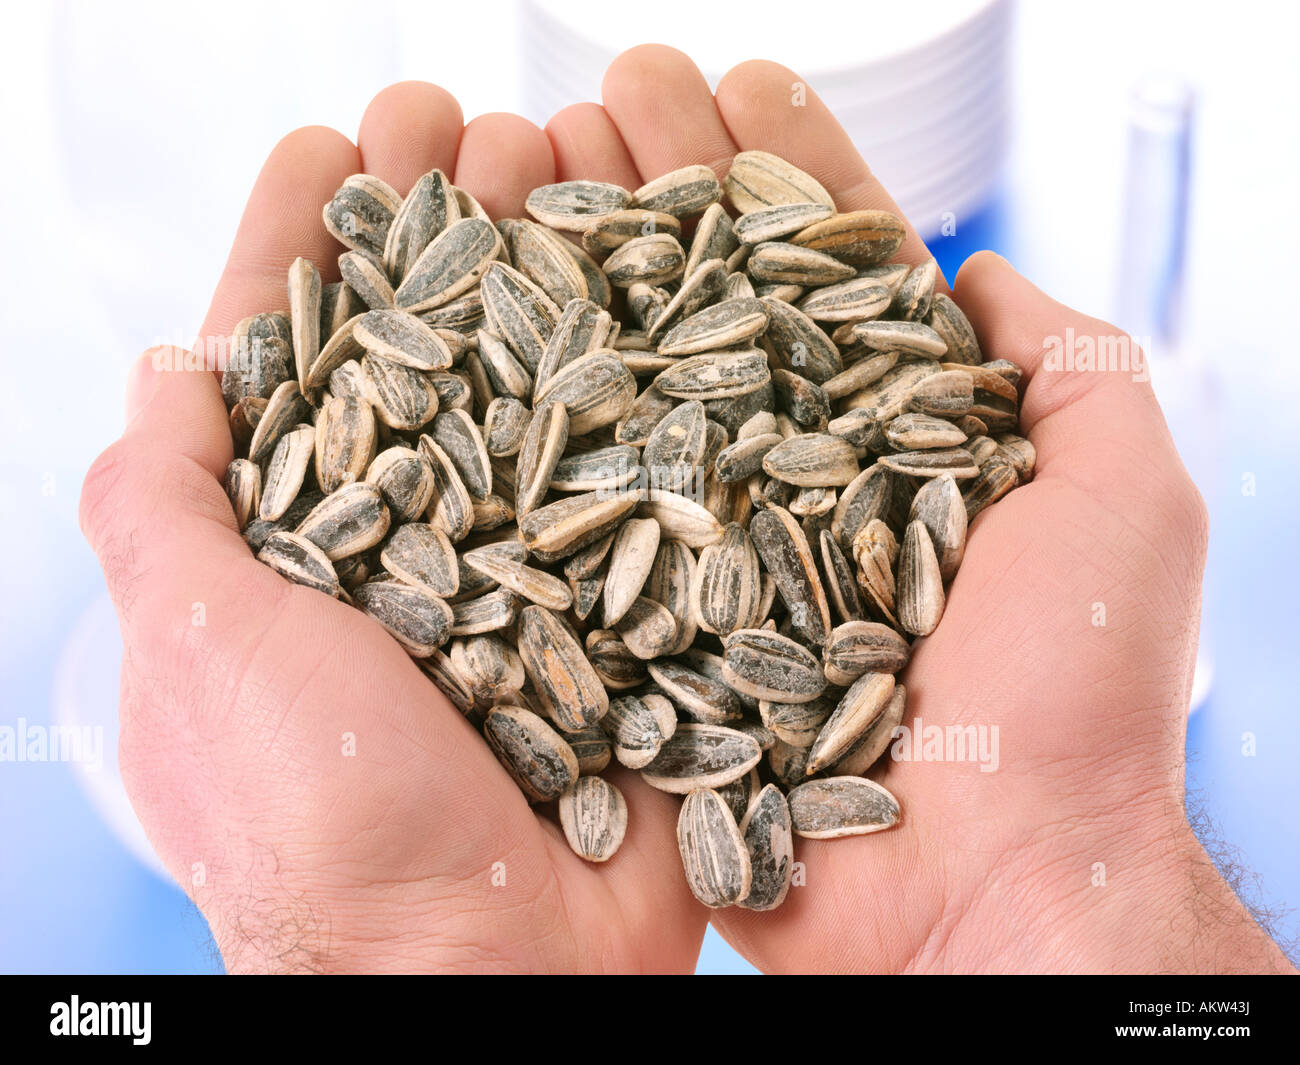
{"points": [[141, 384]]}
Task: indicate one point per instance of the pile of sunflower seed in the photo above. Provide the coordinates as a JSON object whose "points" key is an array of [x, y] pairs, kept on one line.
{"points": [[636, 480]]}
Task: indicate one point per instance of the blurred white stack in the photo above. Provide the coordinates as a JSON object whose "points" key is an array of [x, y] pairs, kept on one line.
{"points": [[921, 89]]}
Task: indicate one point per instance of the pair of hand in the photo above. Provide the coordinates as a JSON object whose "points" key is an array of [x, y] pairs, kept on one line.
{"points": [[327, 809]]}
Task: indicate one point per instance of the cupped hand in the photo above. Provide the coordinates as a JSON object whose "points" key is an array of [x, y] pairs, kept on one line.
{"points": [[320, 800]]}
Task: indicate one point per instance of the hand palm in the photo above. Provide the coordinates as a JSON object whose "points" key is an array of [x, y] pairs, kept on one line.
{"points": [[341, 810]]}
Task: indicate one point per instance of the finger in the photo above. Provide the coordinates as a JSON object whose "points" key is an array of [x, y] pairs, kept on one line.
{"points": [[502, 159], [281, 222], [665, 113], [152, 505], [587, 144], [768, 107], [409, 129]]}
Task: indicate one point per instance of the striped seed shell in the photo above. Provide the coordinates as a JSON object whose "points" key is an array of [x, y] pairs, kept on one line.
{"points": [[847, 301], [769, 839], [243, 486], [565, 681], [716, 375], [948, 394], [297, 559], [605, 469], [428, 209], [932, 462], [939, 505], [617, 667], [862, 238], [535, 585], [653, 260], [681, 193], [812, 460], [630, 561], [840, 582], [582, 328], [773, 223], [596, 390], [489, 666], [618, 227], [995, 479], [798, 343], [760, 179], [634, 730], [559, 529], [726, 594], [701, 756], [722, 325], [789, 264], [360, 213], [669, 583], [954, 328], [439, 669], [787, 556], [304, 314], [592, 749], [593, 814], [573, 206], [865, 701], [401, 337], [347, 522], [285, 471], [767, 665], [533, 753], [450, 506], [744, 458], [344, 441], [920, 584], [366, 277], [485, 613], [257, 367], [875, 740], [797, 724], [543, 444], [401, 397], [418, 553], [453, 263], [405, 480], [841, 806], [519, 312], [648, 628], [543, 256], [714, 239], [698, 290], [455, 432], [675, 448], [859, 647], [504, 426], [680, 518], [713, 851], [1019, 452], [413, 616], [919, 432], [913, 297]]}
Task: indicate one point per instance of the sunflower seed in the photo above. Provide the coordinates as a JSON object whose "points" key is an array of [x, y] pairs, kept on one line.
{"points": [[519, 312], [922, 431], [773, 223], [535, 585], [544, 257], [759, 179], [865, 701], [559, 529], [913, 297], [714, 239], [701, 756], [648, 628], [596, 390], [680, 518], [726, 592], [421, 554], [862, 238], [427, 210], [591, 747], [786, 555], [361, 212], [954, 328], [451, 264], [682, 193], [582, 328], [532, 752], [920, 583], [285, 471], [618, 668], [612, 230], [490, 667], [344, 442], [798, 343], [439, 669], [789, 264], [402, 398], [653, 260], [939, 506], [365, 276], [413, 616], [633, 729], [934, 462], [769, 840], [946, 394], [504, 426], [565, 682], [243, 486], [404, 479], [450, 507], [812, 460], [797, 724], [841, 806], [723, 325], [630, 561], [299, 560], [767, 665], [573, 206], [847, 301], [995, 479], [713, 851], [347, 522], [716, 375], [605, 469], [593, 815], [402, 338], [486, 613]]}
